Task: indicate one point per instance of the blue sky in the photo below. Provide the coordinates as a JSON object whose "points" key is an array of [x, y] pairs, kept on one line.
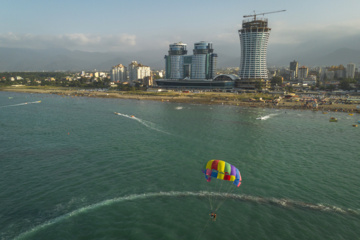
{"points": [[130, 26]]}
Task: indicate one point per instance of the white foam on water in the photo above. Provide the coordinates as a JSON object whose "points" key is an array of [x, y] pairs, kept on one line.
{"points": [[284, 203], [147, 124], [267, 116], [20, 104]]}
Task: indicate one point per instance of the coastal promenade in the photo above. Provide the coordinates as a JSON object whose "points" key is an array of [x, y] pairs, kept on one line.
{"points": [[219, 98]]}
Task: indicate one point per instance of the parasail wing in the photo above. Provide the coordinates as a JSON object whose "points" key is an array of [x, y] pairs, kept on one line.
{"points": [[222, 170]]}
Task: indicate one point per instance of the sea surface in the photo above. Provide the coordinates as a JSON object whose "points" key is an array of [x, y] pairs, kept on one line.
{"points": [[72, 168]]}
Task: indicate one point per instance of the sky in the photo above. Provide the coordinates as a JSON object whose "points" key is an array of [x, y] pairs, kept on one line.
{"points": [[126, 26]]}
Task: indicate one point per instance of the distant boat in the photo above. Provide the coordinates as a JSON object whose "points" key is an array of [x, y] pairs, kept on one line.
{"points": [[332, 119], [354, 125], [132, 116], [351, 114], [324, 112], [116, 113]]}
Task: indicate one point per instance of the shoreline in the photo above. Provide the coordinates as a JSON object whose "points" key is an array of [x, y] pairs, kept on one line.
{"points": [[209, 98]]}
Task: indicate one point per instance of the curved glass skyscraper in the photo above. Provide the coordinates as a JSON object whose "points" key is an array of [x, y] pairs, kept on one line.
{"points": [[203, 61], [200, 65], [254, 37], [175, 61]]}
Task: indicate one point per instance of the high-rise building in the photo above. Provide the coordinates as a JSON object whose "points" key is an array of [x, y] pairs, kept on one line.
{"points": [[200, 65], [254, 37], [118, 73], [174, 62], [138, 71], [350, 70], [204, 61], [303, 72], [294, 67]]}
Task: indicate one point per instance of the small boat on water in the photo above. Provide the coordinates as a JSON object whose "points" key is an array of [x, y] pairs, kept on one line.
{"points": [[332, 119], [132, 116], [324, 112], [351, 114], [116, 113], [354, 125]]}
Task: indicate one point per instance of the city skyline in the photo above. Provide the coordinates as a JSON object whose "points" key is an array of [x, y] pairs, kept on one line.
{"points": [[149, 27]]}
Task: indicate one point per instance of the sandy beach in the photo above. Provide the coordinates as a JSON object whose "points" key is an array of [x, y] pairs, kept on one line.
{"points": [[219, 98]]}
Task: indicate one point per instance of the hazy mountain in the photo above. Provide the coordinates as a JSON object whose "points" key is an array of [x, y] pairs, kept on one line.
{"points": [[22, 59], [314, 57]]}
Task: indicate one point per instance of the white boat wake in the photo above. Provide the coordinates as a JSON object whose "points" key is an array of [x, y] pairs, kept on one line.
{"points": [[284, 203], [143, 122], [266, 117], [20, 104]]}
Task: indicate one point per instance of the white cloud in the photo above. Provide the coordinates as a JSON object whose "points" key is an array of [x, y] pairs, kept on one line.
{"points": [[77, 41]]}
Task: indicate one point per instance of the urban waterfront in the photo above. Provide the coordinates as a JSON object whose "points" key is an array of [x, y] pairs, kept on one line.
{"points": [[72, 169]]}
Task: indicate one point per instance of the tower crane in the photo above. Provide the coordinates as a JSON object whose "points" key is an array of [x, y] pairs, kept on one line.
{"points": [[254, 15]]}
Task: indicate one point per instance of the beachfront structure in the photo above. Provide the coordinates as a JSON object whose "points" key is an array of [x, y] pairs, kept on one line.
{"points": [[204, 61], [118, 73], [193, 71], [174, 62], [350, 70], [137, 71], [254, 37]]}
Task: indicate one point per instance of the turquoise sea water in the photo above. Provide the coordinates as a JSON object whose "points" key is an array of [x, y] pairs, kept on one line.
{"points": [[72, 169]]}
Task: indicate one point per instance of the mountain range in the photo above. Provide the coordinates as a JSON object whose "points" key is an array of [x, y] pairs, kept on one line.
{"points": [[58, 59]]}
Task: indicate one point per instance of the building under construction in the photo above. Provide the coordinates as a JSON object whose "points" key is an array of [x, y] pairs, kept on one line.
{"points": [[254, 37]]}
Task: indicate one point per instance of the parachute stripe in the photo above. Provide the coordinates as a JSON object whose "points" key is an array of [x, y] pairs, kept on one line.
{"points": [[208, 165], [214, 164], [222, 170], [221, 166], [233, 170], [227, 168]]}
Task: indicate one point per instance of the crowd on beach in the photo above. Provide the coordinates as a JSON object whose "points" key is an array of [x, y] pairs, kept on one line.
{"points": [[302, 102]]}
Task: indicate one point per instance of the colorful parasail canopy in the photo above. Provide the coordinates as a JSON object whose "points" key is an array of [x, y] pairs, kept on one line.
{"points": [[222, 170]]}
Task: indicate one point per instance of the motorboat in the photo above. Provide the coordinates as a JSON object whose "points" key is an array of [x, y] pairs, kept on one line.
{"points": [[332, 119]]}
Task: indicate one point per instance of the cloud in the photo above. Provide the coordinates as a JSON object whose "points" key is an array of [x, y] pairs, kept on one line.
{"points": [[76, 41]]}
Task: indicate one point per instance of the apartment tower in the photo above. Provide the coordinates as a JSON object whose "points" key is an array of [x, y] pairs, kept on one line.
{"points": [[137, 71], [254, 37], [118, 73], [350, 70]]}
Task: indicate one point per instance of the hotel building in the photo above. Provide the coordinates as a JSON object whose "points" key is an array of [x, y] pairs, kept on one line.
{"points": [[174, 62], [193, 71], [200, 65], [204, 61], [254, 37]]}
